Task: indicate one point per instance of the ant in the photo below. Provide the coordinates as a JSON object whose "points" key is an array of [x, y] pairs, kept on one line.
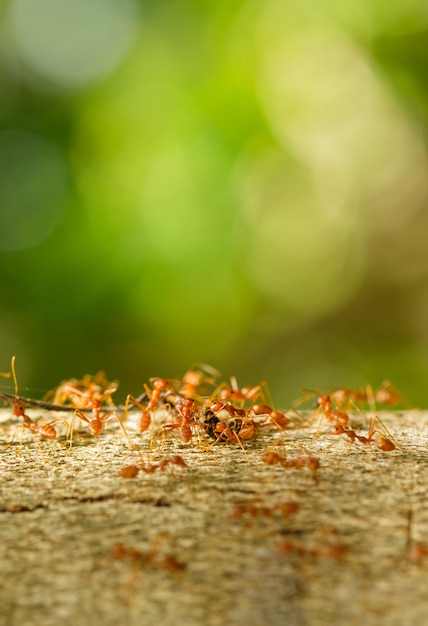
{"points": [[227, 392], [386, 394], [175, 459], [324, 405], [283, 508], [383, 442], [153, 396], [96, 422], [185, 410], [144, 419], [159, 385], [279, 418], [87, 393], [331, 549], [130, 471], [47, 431], [194, 378], [389, 395], [274, 458], [167, 562]]}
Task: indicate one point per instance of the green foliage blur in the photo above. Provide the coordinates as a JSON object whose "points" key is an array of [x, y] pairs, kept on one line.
{"points": [[238, 183]]}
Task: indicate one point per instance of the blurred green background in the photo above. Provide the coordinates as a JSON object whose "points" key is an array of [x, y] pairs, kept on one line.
{"points": [[239, 183]]}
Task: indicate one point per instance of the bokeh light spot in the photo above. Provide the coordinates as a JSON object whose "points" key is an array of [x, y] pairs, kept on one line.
{"points": [[73, 43]]}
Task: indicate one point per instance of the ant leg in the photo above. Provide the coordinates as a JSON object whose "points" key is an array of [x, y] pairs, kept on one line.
{"points": [[386, 441], [22, 427], [77, 414], [113, 415], [371, 401]]}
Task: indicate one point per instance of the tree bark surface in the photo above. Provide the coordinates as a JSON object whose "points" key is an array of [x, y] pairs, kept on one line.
{"points": [[228, 539]]}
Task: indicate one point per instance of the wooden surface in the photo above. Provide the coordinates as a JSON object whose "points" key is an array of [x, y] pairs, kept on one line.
{"points": [[217, 542]]}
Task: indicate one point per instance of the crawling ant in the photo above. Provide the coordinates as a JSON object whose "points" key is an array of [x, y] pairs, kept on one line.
{"points": [[324, 405], [96, 422], [175, 459], [159, 385], [331, 549], [88, 393], [417, 551], [186, 411], [386, 394], [194, 378], [278, 418], [130, 471], [382, 439], [18, 407], [232, 392], [283, 508], [144, 419], [153, 395], [46, 431], [302, 461], [389, 395], [167, 562]]}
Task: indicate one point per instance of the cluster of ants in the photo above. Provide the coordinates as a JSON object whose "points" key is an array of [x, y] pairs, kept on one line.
{"points": [[198, 406]]}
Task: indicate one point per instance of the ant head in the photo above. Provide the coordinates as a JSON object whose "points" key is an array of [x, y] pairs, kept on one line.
{"points": [[18, 408], [322, 401], [160, 383], [216, 406], [193, 378], [187, 403]]}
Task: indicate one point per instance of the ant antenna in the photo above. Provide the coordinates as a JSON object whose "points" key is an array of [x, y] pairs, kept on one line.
{"points": [[15, 380]]}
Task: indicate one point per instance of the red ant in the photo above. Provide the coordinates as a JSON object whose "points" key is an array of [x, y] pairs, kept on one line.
{"points": [[283, 508], [274, 458], [232, 392], [417, 551], [89, 392], [383, 442], [279, 418], [96, 422], [159, 385], [47, 431], [324, 405], [387, 394], [154, 395], [331, 549], [167, 562], [185, 409], [193, 379], [144, 419], [130, 471]]}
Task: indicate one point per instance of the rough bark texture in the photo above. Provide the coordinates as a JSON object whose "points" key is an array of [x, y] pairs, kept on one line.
{"points": [[217, 542]]}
